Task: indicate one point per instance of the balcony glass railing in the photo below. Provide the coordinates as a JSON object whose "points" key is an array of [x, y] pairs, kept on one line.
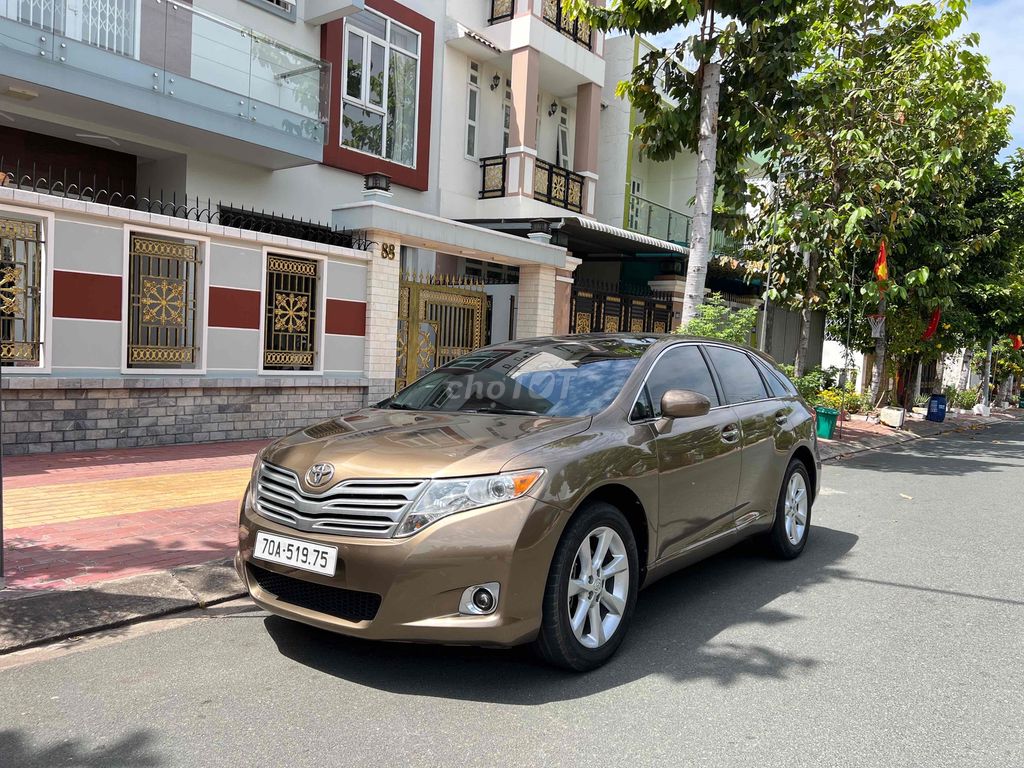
{"points": [[649, 218], [181, 52]]}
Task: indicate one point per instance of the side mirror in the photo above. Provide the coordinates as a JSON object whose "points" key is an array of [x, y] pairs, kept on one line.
{"points": [[684, 404]]}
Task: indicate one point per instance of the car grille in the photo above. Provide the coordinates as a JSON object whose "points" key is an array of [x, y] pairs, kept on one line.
{"points": [[347, 604], [371, 508]]}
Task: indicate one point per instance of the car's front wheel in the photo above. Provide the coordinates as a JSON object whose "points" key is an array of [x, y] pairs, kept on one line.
{"points": [[591, 590]]}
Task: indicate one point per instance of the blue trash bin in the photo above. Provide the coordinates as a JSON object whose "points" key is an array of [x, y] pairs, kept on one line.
{"points": [[936, 408]]}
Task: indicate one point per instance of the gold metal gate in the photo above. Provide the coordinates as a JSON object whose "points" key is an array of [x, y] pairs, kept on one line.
{"points": [[440, 318]]}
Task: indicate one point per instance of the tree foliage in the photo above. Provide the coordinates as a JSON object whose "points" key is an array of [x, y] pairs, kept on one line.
{"points": [[717, 320], [896, 132], [760, 46]]}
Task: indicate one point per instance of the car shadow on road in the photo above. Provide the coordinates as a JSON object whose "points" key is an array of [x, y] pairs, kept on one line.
{"points": [[133, 751], [675, 621]]}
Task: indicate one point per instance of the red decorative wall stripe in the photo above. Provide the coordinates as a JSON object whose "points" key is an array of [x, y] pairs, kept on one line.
{"points": [[234, 308], [345, 318], [86, 296], [331, 49]]}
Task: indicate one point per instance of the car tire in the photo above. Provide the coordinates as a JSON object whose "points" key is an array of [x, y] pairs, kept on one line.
{"points": [[582, 649], [788, 535]]}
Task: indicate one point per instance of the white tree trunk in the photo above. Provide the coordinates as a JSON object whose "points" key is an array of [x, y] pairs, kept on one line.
{"points": [[878, 386], [700, 234], [915, 391], [986, 392], [800, 364], [965, 371]]}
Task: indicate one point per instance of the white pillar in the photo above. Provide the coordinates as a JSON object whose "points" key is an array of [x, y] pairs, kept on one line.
{"points": [[535, 315], [381, 342]]}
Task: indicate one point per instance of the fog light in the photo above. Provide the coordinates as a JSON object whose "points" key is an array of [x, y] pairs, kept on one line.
{"points": [[480, 600]]}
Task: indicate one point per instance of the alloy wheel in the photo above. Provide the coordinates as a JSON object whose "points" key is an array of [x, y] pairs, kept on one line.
{"points": [[796, 508], [598, 587]]}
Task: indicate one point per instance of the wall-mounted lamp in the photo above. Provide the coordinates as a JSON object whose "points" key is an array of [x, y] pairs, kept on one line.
{"points": [[552, 109], [495, 81]]}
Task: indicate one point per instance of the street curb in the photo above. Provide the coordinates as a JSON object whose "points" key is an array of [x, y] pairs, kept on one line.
{"points": [[35, 618], [898, 438]]}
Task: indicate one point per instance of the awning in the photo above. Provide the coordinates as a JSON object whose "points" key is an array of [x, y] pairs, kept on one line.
{"points": [[588, 236]]}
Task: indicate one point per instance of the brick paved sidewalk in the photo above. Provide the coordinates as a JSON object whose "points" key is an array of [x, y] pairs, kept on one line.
{"points": [[77, 518]]}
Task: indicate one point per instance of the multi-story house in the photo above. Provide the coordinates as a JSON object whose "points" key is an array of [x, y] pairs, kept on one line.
{"points": [[204, 210]]}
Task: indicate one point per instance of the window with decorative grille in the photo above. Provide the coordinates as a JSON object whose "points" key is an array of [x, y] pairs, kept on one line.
{"points": [[162, 303], [290, 323], [21, 269]]}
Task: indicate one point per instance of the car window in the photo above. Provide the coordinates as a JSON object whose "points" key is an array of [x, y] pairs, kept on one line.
{"points": [[774, 379], [740, 379], [681, 367], [547, 378]]}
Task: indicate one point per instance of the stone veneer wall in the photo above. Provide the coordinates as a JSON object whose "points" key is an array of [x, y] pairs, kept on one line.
{"points": [[50, 415]]}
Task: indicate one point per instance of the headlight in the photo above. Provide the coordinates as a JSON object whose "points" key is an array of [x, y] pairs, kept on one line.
{"points": [[446, 497]]}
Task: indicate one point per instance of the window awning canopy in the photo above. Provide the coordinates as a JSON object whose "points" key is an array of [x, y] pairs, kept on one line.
{"points": [[584, 237]]}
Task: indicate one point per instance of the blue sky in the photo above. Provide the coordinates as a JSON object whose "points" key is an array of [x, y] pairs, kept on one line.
{"points": [[1001, 26]]}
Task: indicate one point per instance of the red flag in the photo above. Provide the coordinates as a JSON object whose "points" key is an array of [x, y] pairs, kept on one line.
{"points": [[933, 326], [1018, 342], [882, 264]]}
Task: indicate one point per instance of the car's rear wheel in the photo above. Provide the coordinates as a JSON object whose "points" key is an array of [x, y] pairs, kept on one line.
{"points": [[591, 590], [789, 533]]}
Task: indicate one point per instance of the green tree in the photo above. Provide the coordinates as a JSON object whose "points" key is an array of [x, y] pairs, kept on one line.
{"points": [[717, 320], [896, 116]]}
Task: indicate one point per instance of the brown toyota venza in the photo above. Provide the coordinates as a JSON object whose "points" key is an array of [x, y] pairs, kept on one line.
{"points": [[527, 491]]}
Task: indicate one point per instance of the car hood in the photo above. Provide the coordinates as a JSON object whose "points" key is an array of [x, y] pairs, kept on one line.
{"points": [[377, 443]]}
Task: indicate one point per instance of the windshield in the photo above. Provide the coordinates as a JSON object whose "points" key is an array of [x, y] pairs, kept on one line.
{"points": [[558, 379]]}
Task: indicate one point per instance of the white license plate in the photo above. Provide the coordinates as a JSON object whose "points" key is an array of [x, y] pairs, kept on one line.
{"points": [[303, 555]]}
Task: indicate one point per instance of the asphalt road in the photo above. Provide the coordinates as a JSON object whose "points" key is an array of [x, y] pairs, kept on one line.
{"points": [[896, 640]]}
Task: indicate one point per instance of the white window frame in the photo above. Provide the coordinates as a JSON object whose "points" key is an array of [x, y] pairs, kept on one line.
{"points": [[202, 296], [473, 121], [363, 101], [46, 220], [562, 139], [506, 117], [321, 285]]}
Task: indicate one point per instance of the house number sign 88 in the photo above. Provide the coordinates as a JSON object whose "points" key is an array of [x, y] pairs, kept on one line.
{"points": [[387, 251]]}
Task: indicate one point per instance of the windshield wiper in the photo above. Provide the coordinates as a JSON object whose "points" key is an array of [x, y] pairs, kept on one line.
{"points": [[505, 411], [400, 407]]}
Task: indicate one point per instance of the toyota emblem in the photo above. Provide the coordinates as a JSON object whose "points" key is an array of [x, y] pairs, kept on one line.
{"points": [[319, 474]]}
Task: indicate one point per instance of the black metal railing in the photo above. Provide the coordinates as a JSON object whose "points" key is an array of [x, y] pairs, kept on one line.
{"points": [[558, 186], [618, 308], [493, 172], [501, 10], [553, 13], [93, 189]]}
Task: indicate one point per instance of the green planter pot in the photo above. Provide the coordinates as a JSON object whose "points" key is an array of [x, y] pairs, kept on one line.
{"points": [[826, 421]]}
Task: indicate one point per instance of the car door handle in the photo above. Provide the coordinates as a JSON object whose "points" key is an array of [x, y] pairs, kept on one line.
{"points": [[730, 433], [782, 417]]}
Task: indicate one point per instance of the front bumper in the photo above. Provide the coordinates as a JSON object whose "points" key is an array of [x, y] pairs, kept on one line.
{"points": [[420, 579]]}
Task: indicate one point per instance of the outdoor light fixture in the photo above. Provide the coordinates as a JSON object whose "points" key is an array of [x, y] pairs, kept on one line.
{"points": [[540, 231], [552, 109], [377, 182], [495, 81]]}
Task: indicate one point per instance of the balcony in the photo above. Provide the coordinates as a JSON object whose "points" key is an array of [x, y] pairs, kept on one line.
{"points": [[551, 184], [501, 10], [576, 31], [557, 186], [654, 220], [169, 63]]}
